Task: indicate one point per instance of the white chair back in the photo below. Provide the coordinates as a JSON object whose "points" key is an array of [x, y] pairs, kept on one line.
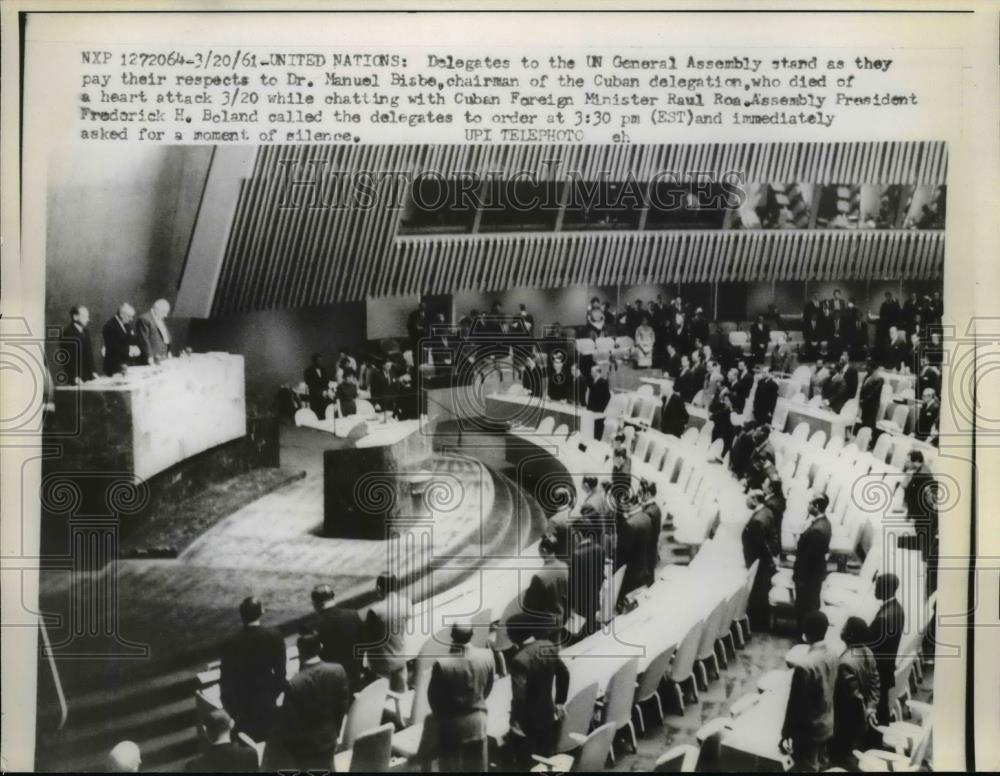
{"points": [[687, 653], [372, 750], [593, 754], [579, 711], [619, 694], [365, 712]]}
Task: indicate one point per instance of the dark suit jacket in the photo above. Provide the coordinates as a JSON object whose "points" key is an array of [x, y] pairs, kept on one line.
{"points": [[855, 701], [381, 387], [586, 575], [884, 634], [533, 671], [251, 678], [118, 338], [340, 631], [686, 385], [151, 344], [598, 396], [79, 353], [760, 541], [870, 399], [548, 591], [810, 553], [316, 381], [850, 375], [635, 535], [656, 525], [765, 400], [459, 686], [674, 416], [315, 703], [740, 454], [809, 714], [224, 758]]}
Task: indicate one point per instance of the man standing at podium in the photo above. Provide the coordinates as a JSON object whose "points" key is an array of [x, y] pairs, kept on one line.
{"points": [[79, 351], [120, 344], [151, 329]]}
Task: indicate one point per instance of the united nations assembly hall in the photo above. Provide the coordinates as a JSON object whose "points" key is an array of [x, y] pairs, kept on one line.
{"points": [[491, 457]]}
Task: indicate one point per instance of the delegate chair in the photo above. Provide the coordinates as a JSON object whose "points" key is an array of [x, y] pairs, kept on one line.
{"points": [[682, 670], [371, 753], [618, 700], [591, 757], [648, 687]]}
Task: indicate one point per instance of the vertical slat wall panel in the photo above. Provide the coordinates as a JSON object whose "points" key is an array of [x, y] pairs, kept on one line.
{"points": [[288, 257]]}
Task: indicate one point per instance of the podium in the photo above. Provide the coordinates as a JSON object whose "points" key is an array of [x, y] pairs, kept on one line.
{"points": [[152, 418], [370, 478], [127, 444]]}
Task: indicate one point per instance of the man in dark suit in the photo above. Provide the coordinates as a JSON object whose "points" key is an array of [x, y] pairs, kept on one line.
{"points": [[884, 634], [673, 415], [765, 399], [539, 686], [850, 375], [808, 725], [870, 398], [834, 391], [223, 756], [382, 385], [812, 308], [920, 498], [340, 632], [685, 383], [548, 590], [252, 674], [459, 685], [647, 490], [855, 696], [635, 535], [744, 384], [318, 382], [416, 325], [760, 544], [153, 334], [928, 416], [79, 350], [760, 336], [742, 451], [913, 309], [699, 371], [586, 576], [889, 315], [810, 558], [316, 701], [598, 397], [121, 348]]}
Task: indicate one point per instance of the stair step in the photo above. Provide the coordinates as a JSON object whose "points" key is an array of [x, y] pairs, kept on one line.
{"points": [[178, 744], [136, 695], [108, 729]]}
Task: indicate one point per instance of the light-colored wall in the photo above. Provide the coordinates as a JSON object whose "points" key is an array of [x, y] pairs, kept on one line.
{"points": [[386, 316]]}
